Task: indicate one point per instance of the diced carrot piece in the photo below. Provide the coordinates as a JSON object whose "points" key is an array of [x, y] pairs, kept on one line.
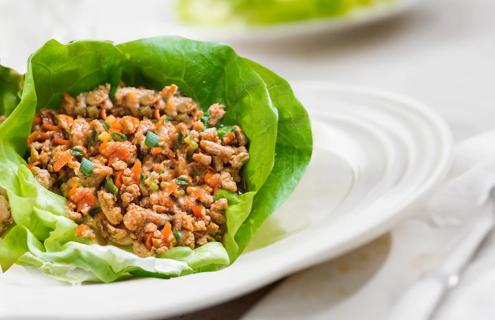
{"points": [[72, 192], [157, 114], [118, 179], [136, 170], [89, 199], [35, 136], [168, 203], [81, 229], [156, 151], [50, 127], [62, 141], [198, 211], [103, 114], [167, 230], [61, 161], [213, 180], [171, 187], [114, 149], [115, 126], [149, 243], [121, 153]]}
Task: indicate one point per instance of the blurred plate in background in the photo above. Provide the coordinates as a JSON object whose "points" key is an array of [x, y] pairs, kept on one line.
{"points": [[264, 33]]}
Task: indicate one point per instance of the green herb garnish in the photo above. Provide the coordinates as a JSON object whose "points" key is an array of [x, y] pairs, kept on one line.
{"points": [[77, 152], [86, 167], [177, 235], [104, 124], [118, 136], [152, 139], [182, 181], [110, 186], [223, 130], [154, 186]]}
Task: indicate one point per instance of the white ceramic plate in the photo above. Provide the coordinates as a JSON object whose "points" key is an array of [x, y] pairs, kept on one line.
{"points": [[297, 29], [374, 154]]}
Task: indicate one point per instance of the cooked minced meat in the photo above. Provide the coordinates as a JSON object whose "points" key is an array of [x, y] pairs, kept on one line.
{"points": [[5, 218], [141, 170]]}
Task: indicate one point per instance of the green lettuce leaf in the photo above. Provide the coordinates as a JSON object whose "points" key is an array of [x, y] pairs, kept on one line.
{"points": [[10, 86], [293, 152], [256, 99]]}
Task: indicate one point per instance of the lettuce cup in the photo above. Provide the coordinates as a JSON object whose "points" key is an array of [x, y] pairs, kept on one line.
{"points": [[158, 157]]}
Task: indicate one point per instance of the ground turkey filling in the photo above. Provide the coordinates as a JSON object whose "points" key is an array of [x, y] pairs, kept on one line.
{"points": [[141, 170], [5, 216]]}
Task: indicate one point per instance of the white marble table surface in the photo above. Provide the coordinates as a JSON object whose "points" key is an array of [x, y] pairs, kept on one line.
{"points": [[441, 53]]}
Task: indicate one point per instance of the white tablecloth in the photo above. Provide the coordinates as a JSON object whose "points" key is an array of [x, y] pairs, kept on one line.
{"points": [[441, 53]]}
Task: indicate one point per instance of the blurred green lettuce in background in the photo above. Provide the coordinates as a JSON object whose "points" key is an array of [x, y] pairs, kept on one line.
{"points": [[265, 12]]}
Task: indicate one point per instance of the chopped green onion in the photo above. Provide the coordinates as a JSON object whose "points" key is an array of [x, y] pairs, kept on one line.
{"points": [[142, 178], [77, 152], [118, 136], [177, 235], [110, 186], [104, 124], [94, 137], [182, 181], [152, 139], [168, 119], [86, 167], [223, 130], [154, 186]]}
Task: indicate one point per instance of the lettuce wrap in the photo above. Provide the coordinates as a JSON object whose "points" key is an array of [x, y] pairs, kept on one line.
{"points": [[276, 124]]}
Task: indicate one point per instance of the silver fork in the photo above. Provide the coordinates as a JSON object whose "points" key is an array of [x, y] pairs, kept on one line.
{"points": [[424, 298]]}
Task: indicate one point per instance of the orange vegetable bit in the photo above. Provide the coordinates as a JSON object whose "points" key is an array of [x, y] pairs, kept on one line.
{"points": [[116, 126], [89, 199], [61, 141], [35, 136], [156, 151], [50, 127], [118, 179], [136, 171], [81, 230], [171, 187], [114, 149], [198, 211], [85, 198], [64, 158], [167, 202], [167, 231], [72, 192], [149, 242], [103, 114], [157, 114], [212, 179]]}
